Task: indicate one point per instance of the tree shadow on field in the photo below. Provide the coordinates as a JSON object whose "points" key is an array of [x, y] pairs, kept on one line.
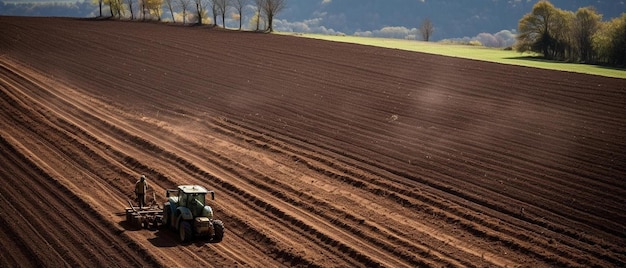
{"points": [[533, 58], [616, 68], [544, 60]]}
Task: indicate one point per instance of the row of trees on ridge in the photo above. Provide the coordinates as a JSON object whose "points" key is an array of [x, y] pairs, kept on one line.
{"points": [[580, 36], [194, 11]]}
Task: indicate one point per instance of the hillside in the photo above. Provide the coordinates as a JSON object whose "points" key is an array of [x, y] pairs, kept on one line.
{"points": [[321, 154]]}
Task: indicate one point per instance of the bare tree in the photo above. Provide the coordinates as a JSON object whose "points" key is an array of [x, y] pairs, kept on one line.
{"points": [[144, 8], [271, 8], [100, 3], [184, 6], [259, 7], [111, 8], [239, 5], [427, 29], [131, 8], [214, 10], [200, 9], [170, 6], [222, 6]]}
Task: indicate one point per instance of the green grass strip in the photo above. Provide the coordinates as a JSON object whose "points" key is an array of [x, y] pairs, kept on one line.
{"points": [[473, 52]]}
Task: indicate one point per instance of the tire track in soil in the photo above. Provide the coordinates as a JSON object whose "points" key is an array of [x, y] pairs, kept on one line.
{"points": [[404, 197], [261, 178], [398, 195], [372, 232], [249, 196]]}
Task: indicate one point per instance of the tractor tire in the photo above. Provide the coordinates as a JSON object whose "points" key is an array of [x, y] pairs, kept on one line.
{"points": [[167, 217], [155, 223], [129, 216], [184, 231], [218, 226], [136, 223]]}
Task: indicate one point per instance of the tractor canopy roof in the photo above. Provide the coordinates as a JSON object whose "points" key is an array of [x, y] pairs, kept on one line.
{"points": [[192, 189]]}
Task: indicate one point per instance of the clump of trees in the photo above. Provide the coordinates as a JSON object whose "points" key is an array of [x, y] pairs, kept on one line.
{"points": [[580, 36]]}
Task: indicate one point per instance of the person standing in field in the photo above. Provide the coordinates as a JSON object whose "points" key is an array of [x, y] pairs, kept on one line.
{"points": [[140, 189]]}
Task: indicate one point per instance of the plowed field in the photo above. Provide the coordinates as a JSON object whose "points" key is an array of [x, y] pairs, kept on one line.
{"points": [[321, 154]]}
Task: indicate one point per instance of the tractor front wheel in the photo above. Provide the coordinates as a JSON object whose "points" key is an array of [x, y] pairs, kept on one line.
{"points": [[218, 226]]}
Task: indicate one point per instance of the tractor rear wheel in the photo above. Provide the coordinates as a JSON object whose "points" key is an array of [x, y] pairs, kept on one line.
{"points": [[184, 231], [218, 226]]}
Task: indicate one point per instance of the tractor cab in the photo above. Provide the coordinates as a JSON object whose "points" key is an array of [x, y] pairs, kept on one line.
{"points": [[192, 197], [186, 211]]}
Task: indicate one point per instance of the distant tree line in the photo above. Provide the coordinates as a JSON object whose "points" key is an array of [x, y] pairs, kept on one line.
{"points": [[65, 9], [194, 11], [580, 36]]}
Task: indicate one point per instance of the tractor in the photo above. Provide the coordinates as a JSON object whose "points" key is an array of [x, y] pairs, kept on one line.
{"points": [[187, 212]]}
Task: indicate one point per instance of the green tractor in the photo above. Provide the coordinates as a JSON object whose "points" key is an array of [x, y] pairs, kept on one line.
{"points": [[187, 212]]}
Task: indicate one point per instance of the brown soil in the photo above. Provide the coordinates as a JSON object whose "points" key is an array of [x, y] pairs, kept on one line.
{"points": [[321, 154]]}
